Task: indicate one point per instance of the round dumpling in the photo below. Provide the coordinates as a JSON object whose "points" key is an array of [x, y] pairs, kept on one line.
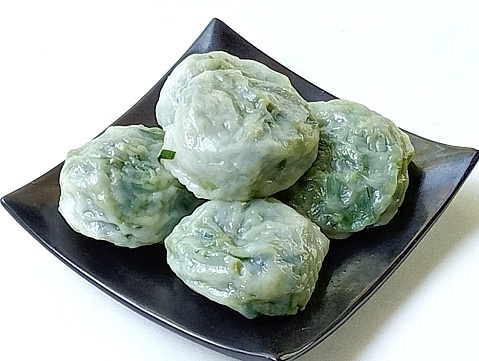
{"points": [[256, 257], [236, 137], [196, 64], [360, 176], [113, 188]]}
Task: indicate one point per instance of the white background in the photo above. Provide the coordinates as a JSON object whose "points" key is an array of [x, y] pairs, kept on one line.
{"points": [[68, 69]]}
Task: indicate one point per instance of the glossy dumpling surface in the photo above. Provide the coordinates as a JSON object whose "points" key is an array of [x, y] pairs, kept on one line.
{"points": [[239, 131], [360, 176], [113, 188], [256, 257], [197, 64]]}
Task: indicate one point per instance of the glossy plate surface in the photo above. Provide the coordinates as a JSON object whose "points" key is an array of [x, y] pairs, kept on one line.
{"points": [[352, 272]]}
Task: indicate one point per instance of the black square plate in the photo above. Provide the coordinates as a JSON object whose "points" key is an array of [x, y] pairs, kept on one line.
{"points": [[352, 272]]}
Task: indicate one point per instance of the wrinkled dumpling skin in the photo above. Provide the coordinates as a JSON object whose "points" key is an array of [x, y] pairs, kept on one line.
{"points": [[256, 257], [360, 176], [196, 64], [113, 188], [237, 134]]}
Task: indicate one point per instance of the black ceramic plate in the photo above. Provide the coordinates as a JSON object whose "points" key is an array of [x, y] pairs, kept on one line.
{"points": [[352, 272]]}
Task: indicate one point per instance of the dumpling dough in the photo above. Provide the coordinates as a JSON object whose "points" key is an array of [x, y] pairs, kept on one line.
{"points": [[256, 257], [360, 176], [237, 133], [114, 188], [196, 64]]}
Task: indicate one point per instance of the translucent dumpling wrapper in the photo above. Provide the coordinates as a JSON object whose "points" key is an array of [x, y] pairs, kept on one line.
{"points": [[360, 176], [237, 134], [114, 188], [196, 64], [259, 257]]}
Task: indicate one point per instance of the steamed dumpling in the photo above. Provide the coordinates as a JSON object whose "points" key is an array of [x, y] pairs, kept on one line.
{"points": [[113, 188], [360, 176], [196, 64], [256, 257], [237, 132]]}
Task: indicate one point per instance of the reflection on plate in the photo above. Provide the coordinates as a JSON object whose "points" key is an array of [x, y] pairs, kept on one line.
{"points": [[352, 271]]}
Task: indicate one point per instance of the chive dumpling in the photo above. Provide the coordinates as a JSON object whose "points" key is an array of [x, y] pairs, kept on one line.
{"points": [[113, 188], [239, 131], [360, 176], [259, 257], [197, 64]]}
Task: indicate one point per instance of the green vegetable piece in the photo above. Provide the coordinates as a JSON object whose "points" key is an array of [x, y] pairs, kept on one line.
{"points": [[166, 154], [360, 176], [256, 257], [113, 188]]}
